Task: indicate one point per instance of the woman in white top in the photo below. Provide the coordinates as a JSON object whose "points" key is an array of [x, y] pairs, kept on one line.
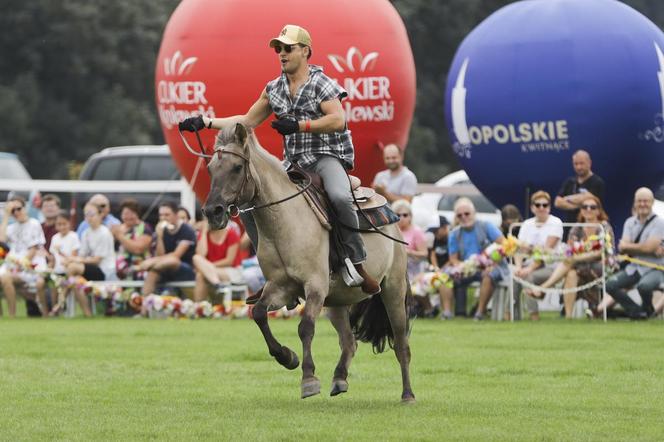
{"points": [[97, 256], [543, 231]]}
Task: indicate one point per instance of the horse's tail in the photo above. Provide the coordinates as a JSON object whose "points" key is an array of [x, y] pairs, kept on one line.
{"points": [[370, 323]]}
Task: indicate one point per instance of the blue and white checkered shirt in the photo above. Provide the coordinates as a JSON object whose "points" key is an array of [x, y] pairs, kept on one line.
{"points": [[304, 148]]}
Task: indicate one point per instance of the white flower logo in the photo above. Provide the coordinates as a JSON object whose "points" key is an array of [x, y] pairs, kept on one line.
{"points": [[353, 61], [176, 65]]}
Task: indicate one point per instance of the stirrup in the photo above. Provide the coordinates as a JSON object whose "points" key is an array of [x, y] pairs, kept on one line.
{"points": [[350, 275]]}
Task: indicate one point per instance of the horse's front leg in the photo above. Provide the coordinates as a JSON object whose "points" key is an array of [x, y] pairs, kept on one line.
{"points": [[284, 355], [315, 295], [340, 321]]}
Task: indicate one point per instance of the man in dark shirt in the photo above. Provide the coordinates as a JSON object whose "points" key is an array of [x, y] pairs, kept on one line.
{"points": [[50, 208], [176, 244], [572, 193]]}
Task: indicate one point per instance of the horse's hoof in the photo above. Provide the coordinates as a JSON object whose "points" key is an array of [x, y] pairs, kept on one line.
{"points": [[288, 358], [310, 387], [338, 386], [408, 400]]}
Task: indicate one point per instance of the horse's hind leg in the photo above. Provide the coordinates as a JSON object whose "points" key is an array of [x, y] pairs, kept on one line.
{"points": [[395, 305], [284, 355], [341, 323], [310, 384]]}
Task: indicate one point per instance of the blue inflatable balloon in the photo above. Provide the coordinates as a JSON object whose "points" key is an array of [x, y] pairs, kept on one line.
{"points": [[540, 79]]}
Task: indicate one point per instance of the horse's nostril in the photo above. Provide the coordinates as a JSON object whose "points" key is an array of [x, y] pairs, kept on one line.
{"points": [[218, 210]]}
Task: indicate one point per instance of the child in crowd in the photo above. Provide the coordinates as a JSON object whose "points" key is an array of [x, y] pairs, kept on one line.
{"points": [[64, 244]]}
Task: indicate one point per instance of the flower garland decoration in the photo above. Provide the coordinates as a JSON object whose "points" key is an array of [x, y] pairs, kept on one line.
{"points": [[430, 282]]}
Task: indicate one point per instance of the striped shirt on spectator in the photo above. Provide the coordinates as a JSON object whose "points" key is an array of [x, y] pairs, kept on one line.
{"points": [[304, 148]]}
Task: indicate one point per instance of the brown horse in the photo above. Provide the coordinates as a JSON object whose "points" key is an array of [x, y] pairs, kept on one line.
{"points": [[293, 252]]}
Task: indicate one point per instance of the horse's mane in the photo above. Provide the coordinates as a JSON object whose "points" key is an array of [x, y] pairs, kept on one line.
{"points": [[227, 136]]}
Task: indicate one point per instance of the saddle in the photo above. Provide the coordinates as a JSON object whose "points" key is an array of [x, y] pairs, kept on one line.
{"points": [[374, 207]]}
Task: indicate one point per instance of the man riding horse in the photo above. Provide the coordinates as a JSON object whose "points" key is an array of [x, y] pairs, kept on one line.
{"points": [[307, 104]]}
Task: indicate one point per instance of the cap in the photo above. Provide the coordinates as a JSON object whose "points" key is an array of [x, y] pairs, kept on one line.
{"points": [[443, 221], [292, 34]]}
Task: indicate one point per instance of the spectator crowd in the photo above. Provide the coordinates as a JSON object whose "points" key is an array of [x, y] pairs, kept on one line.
{"points": [[105, 248], [549, 259]]}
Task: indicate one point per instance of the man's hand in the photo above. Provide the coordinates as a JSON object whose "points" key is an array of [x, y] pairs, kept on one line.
{"points": [[380, 189], [285, 126], [192, 124]]}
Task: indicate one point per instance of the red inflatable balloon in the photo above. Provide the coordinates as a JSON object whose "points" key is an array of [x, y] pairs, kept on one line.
{"points": [[214, 59]]}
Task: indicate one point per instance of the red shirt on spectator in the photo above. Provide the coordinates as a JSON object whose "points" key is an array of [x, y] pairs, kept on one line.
{"points": [[217, 251]]}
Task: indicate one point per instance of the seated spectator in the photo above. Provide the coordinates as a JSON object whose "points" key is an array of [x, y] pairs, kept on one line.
{"points": [[50, 208], [438, 254], [25, 238], [96, 261], [134, 238], [413, 235], [107, 217], [397, 181], [470, 237], [215, 260], [642, 239], [582, 268], [509, 215], [543, 231], [176, 243], [184, 215], [64, 244]]}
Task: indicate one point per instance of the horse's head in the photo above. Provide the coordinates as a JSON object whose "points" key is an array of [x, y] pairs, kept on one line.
{"points": [[231, 182]]}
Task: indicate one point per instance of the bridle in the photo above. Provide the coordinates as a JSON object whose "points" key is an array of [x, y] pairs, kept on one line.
{"points": [[233, 209]]}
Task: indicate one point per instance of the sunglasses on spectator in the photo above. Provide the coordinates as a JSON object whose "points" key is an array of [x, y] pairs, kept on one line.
{"points": [[101, 206], [287, 48], [404, 215], [589, 207], [463, 214], [541, 205], [17, 209]]}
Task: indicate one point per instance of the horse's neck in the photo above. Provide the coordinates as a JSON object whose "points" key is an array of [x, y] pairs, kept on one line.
{"points": [[274, 185]]}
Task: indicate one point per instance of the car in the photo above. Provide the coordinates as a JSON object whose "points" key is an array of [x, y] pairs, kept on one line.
{"points": [[13, 169], [144, 162], [428, 206]]}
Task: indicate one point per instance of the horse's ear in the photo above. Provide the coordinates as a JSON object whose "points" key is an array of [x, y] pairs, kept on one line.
{"points": [[240, 134]]}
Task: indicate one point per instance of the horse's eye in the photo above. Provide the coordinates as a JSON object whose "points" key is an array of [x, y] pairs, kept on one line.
{"points": [[237, 168]]}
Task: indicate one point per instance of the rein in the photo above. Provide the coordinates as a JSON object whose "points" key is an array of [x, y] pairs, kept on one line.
{"points": [[233, 210]]}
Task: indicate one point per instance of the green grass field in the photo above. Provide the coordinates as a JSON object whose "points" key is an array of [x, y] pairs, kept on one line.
{"points": [[125, 379]]}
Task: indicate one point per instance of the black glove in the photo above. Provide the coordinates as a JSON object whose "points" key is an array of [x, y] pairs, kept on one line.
{"points": [[192, 124], [286, 126]]}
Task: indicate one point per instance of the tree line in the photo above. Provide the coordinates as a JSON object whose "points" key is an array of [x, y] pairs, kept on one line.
{"points": [[76, 75]]}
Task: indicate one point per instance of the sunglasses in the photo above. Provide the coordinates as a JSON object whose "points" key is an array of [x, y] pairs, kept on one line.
{"points": [[541, 205], [463, 214], [287, 48], [404, 215], [101, 206], [589, 207], [17, 209]]}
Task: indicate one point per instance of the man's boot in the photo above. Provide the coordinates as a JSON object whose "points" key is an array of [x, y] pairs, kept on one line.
{"points": [[369, 285]]}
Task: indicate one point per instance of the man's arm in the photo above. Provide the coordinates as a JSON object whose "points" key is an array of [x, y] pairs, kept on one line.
{"points": [[566, 202], [333, 119], [647, 247], [257, 113], [181, 249]]}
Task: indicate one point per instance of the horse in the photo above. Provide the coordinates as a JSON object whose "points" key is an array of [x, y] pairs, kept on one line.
{"points": [[293, 253]]}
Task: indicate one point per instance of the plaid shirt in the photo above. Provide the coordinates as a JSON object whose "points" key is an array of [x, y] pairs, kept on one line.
{"points": [[304, 148]]}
